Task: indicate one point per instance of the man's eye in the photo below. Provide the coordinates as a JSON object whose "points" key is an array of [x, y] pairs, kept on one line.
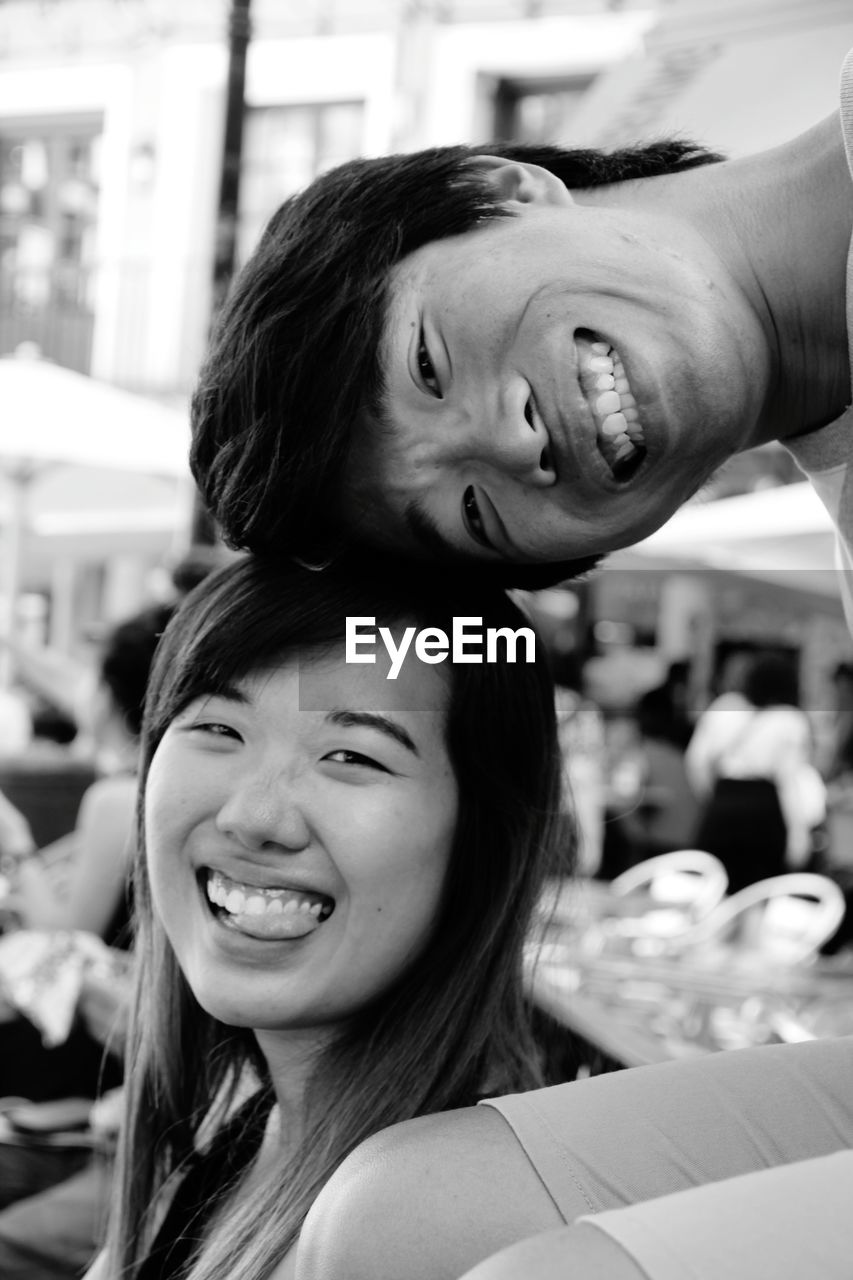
{"points": [[472, 518], [426, 369]]}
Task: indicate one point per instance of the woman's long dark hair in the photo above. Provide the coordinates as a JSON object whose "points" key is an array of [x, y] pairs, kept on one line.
{"points": [[456, 1018]]}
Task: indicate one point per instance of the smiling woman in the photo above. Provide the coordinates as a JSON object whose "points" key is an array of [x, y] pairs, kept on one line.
{"points": [[335, 878], [296, 856]]}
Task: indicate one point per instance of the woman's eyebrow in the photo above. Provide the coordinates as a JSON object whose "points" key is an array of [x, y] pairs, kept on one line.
{"points": [[371, 720], [228, 692]]}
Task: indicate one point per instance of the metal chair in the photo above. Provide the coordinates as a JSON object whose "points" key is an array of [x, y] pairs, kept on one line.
{"points": [[784, 919], [688, 879]]}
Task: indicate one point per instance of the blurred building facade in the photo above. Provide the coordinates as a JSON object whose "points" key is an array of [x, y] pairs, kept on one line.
{"points": [[111, 114], [110, 123]]}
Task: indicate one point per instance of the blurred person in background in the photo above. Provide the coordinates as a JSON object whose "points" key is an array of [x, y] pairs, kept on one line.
{"points": [[53, 1199], [624, 771], [580, 730], [839, 764], [667, 706], [751, 767], [53, 1234], [16, 725], [16, 838], [89, 892], [56, 1198], [98, 850], [730, 682], [65, 687], [837, 860], [16, 733], [664, 817]]}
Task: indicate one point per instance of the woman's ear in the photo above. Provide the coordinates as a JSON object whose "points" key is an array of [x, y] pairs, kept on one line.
{"points": [[517, 181]]}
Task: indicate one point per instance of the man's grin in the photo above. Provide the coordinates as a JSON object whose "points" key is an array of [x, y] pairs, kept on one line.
{"points": [[604, 383]]}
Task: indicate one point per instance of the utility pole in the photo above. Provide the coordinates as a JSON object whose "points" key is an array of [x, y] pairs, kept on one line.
{"points": [[415, 40], [203, 531]]}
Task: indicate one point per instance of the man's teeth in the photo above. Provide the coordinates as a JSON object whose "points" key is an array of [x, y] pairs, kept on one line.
{"points": [[248, 900], [614, 407]]}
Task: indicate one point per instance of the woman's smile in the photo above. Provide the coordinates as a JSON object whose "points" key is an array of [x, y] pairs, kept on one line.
{"points": [[268, 913]]}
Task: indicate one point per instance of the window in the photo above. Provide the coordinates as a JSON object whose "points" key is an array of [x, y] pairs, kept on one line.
{"points": [[48, 210], [285, 148], [537, 110]]}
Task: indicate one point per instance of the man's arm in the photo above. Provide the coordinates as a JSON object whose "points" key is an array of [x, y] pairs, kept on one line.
{"points": [[99, 869], [579, 1252], [789, 1222], [427, 1200]]}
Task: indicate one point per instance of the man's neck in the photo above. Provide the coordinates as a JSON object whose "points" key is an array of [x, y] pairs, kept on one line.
{"points": [[779, 225], [782, 222], [804, 191]]}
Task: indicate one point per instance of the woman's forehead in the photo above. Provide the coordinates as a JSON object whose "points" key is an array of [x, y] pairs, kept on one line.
{"points": [[377, 668]]}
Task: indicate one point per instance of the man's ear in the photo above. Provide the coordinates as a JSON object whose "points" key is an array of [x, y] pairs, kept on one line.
{"points": [[517, 181]]}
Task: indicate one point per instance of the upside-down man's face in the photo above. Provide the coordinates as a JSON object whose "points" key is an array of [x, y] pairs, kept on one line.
{"points": [[558, 382]]}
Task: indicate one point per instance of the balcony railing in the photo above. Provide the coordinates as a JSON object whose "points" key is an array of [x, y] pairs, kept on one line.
{"points": [[50, 308], [124, 322]]}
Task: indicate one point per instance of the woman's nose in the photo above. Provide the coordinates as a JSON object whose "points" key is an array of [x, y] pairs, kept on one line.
{"points": [[263, 813]]}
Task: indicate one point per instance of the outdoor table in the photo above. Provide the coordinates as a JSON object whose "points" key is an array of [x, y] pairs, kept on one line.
{"points": [[636, 1009]]}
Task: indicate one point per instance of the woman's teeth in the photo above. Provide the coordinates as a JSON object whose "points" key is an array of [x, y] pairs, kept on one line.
{"points": [[617, 421], [267, 913]]}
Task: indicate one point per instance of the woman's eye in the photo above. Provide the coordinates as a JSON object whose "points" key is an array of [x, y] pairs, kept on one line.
{"points": [[354, 758], [215, 729], [426, 369], [472, 518]]}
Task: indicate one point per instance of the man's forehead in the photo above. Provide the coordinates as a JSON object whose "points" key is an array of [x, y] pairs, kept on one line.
{"points": [[427, 267]]}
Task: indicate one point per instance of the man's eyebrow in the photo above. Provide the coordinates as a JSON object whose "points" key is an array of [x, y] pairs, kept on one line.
{"points": [[427, 534], [371, 720], [377, 404], [377, 401]]}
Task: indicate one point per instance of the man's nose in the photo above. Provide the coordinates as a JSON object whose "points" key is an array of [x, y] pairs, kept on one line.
{"points": [[265, 812], [517, 438]]}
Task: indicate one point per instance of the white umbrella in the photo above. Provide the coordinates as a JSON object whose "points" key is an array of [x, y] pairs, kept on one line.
{"points": [[781, 535], [52, 416]]}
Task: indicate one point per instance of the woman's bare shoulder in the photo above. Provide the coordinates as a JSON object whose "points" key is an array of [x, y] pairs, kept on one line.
{"points": [[426, 1199]]}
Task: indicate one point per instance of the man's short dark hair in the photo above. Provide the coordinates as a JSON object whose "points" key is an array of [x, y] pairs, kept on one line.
{"points": [[294, 360], [772, 681]]}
